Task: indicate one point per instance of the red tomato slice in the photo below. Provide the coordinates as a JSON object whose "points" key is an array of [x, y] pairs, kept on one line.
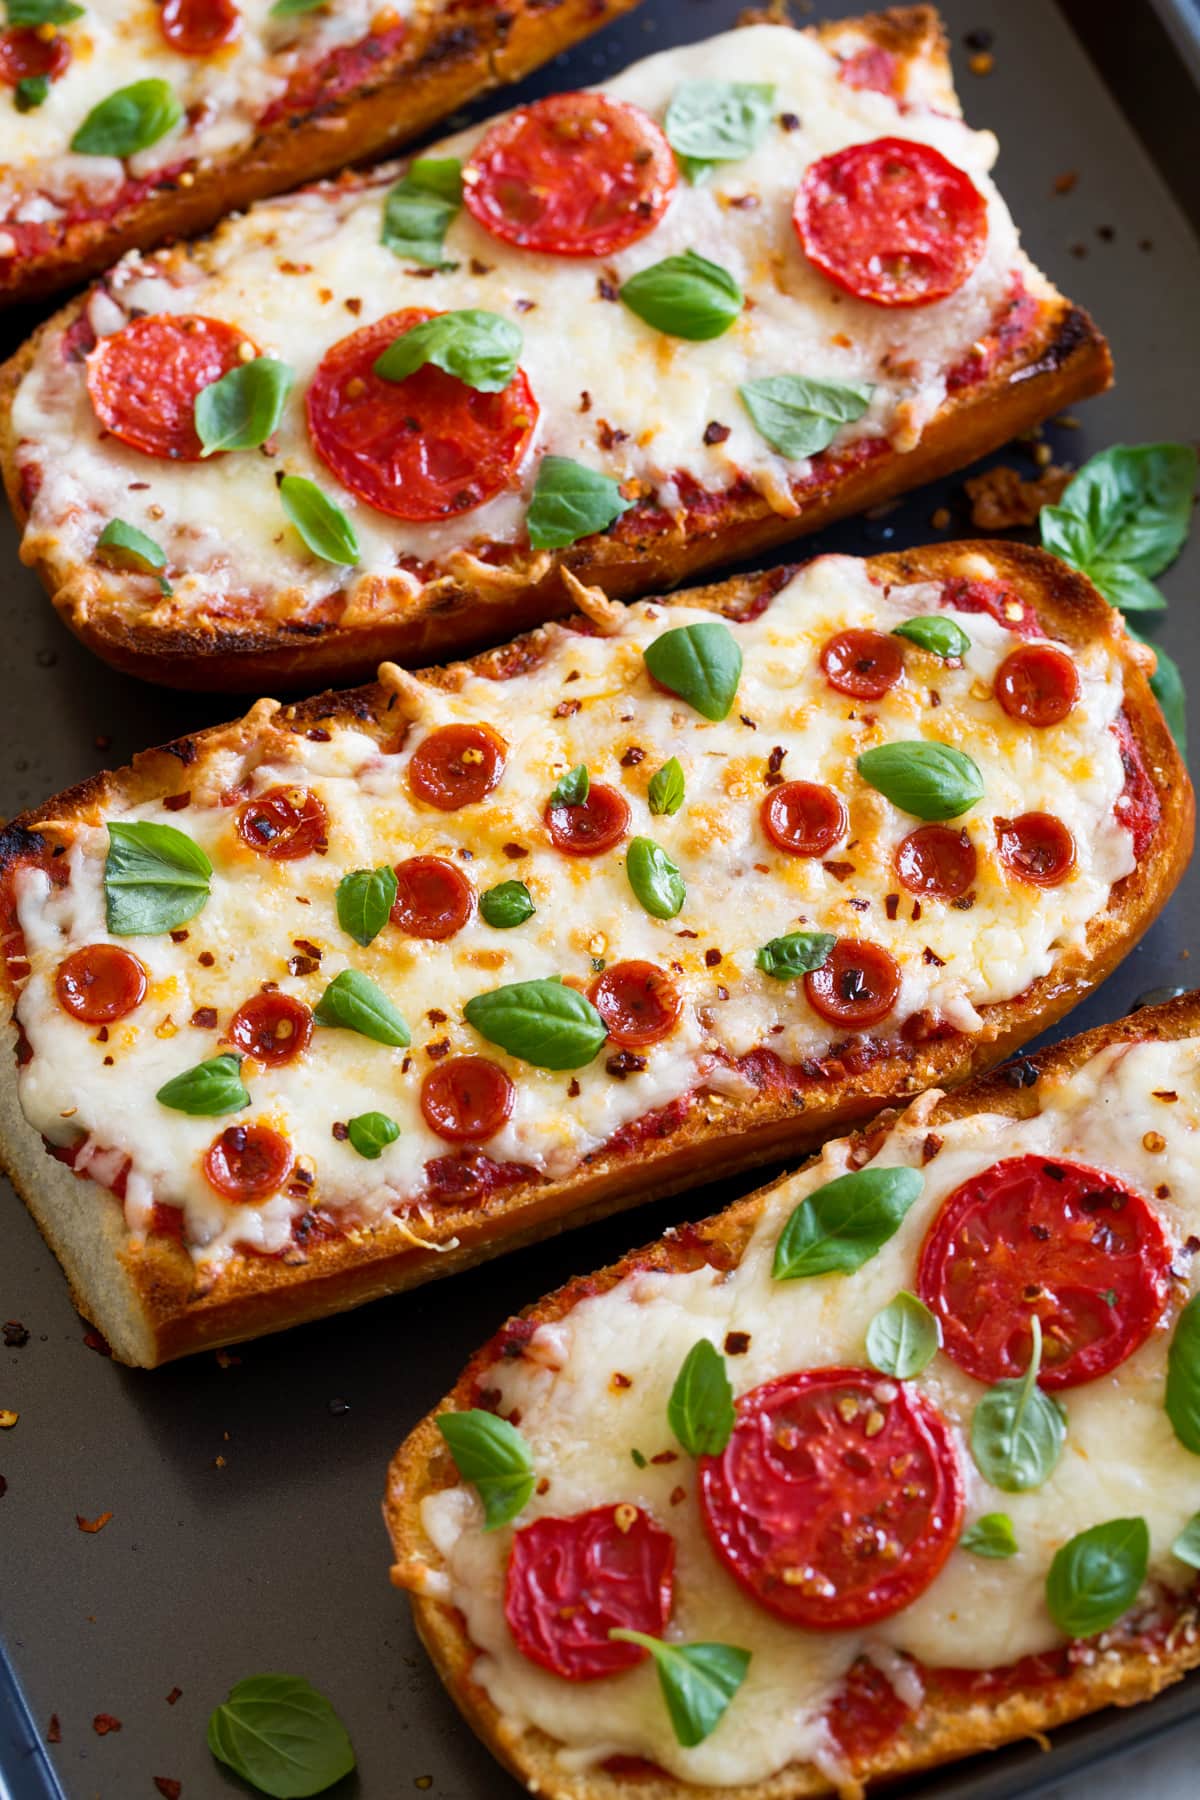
{"points": [[805, 1507], [1074, 1245], [803, 819], [433, 898], [571, 175], [143, 380], [1036, 847], [428, 447], [1138, 806], [870, 68], [273, 1028], [863, 664], [936, 860], [466, 1099], [638, 1003], [25, 54], [857, 986], [572, 1581], [100, 984], [892, 222], [1000, 603], [457, 765], [248, 1162], [1037, 685], [593, 826], [284, 823], [198, 27]]}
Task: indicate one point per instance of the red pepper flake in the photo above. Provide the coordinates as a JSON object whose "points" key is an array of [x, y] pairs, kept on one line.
{"points": [[773, 777], [543, 1486], [168, 1787], [205, 1017], [317, 735], [515, 852], [931, 956], [181, 936], [574, 1090], [715, 432], [789, 121], [737, 1343], [678, 1494], [632, 757], [95, 1340], [303, 965], [566, 709], [176, 803], [3, 1486], [175, 1694], [16, 1335], [931, 1146], [605, 289], [103, 1723], [54, 1730], [625, 1063], [839, 870], [664, 1457], [206, 959], [441, 1048], [620, 1381], [340, 1131], [92, 1526]]}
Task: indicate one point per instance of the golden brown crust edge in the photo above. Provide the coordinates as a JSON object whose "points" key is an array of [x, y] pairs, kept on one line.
{"points": [[169, 1318], [954, 1725]]}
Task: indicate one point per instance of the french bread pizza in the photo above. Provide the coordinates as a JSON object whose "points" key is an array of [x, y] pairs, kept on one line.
{"points": [[123, 125], [351, 993], [891, 1462], [749, 286]]}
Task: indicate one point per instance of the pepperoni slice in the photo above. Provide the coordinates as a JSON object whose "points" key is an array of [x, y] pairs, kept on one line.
{"points": [[858, 985], [284, 823], [936, 860], [143, 380], [1001, 603], [1037, 685], [591, 827], [273, 1028], [466, 1099], [805, 1508], [1036, 847], [571, 175], [198, 27], [100, 984], [457, 765], [25, 54], [428, 447], [638, 1003], [892, 222], [803, 818], [872, 69], [863, 664], [433, 898], [1074, 1245], [572, 1581], [1138, 807], [248, 1162]]}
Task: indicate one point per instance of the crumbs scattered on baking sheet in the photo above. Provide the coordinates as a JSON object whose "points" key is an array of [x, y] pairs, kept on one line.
{"points": [[167, 1786], [91, 1526], [16, 1335], [54, 1730], [103, 1723], [8, 1418], [175, 1694]]}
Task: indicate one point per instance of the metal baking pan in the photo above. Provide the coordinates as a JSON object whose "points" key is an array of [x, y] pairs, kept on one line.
{"points": [[245, 1532]]}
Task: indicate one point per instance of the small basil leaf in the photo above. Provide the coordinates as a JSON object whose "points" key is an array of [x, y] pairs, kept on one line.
{"points": [[798, 416], [991, 1536], [364, 900], [1187, 1545], [711, 122], [128, 121], [543, 1022], [420, 208], [31, 92], [570, 502], [1097, 1575], [493, 1456], [1125, 587], [210, 1088], [701, 663], [293, 9], [685, 296], [700, 1410], [127, 547], [243, 408], [927, 779], [903, 1338], [797, 953], [1017, 1431], [574, 787], [371, 1133], [654, 878], [666, 792], [1183, 1377], [155, 878], [281, 1736], [697, 1681], [42, 12], [354, 1003], [323, 526], [842, 1225], [478, 348], [1126, 512], [937, 634], [507, 904]]}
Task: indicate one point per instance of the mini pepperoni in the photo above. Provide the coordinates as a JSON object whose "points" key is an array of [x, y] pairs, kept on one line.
{"points": [[1037, 684], [198, 27], [806, 1510], [863, 664], [858, 984], [248, 1162], [143, 380], [466, 1098], [803, 818], [433, 898], [591, 827], [572, 1581], [638, 1003], [273, 1028], [100, 984], [892, 222], [25, 55], [284, 823], [428, 447], [1036, 847], [936, 860], [457, 765], [571, 175], [1031, 1235]]}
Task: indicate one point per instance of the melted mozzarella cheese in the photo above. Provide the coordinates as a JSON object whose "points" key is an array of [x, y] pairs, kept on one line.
{"points": [[1121, 1457], [741, 891]]}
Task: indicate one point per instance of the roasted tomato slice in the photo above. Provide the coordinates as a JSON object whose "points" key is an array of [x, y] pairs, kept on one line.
{"points": [[433, 900], [466, 1099], [591, 827], [937, 861], [1037, 685], [143, 380], [856, 986], [198, 27], [248, 1162], [457, 765], [639, 1004], [25, 54], [803, 818], [863, 664], [100, 984], [284, 824], [1036, 847], [273, 1028]]}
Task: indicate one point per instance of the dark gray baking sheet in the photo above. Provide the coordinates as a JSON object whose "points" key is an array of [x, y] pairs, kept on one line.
{"points": [[246, 1534]]}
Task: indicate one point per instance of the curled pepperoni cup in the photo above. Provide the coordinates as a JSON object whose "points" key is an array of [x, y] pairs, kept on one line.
{"points": [[892, 222], [803, 819], [457, 765], [936, 860], [1032, 1235], [1037, 685], [466, 1099], [428, 447], [434, 899], [272, 1028], [637, 1002], [591, 827], [25, 55], [863, 664], [198, 27], [284, 824], [836, 1500], [248, 1162], [857, 985], [143, 380], [1036, 847], [572, 1581], [572, 175], [100, 984]]}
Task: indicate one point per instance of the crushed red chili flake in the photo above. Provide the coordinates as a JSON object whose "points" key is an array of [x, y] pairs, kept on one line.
{"points": [[930, 1147], [103, 1723], [95, 1340], [839, 870], [543, 1486], [574, 1089], [664, 1457], [176, 803], [16, 1335], [566, 709], [773, 777], [1064, 183], [313, 950], [206, 959], [175, 1694], [605, 288], [747, 721], [317, 735], [620, 1381], [609, 436], [303, 965], [715, 432], [441, 1048], [932, 957], [181, 936], [711, 958], [205, 1017], [92, 1526], [789, 121], [632, 757], [340, 1131], [678, 1494], [436, 1016], [54, 1730], [168, 1787], [625, 1063], [515, 852], [737, 1343]]}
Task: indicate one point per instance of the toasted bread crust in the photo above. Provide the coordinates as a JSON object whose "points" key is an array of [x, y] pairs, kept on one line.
{"points": [[947, 1725]]}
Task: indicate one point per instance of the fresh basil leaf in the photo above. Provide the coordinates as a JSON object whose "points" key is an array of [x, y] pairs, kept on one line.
{"points": [[493, 1456], [937, 634], [507, 904], [1125, 515], [543, 1022], [281, 1736], [243, 408], [1097, 1575], [697, 1681], [666, 792], [31, 92], [1166, 684], [570, 502], [701, 663], [420, 208], [654, 878], [293, 9], [127, 546], [841, 1226], [478, 348], [323, 526], [574, 787], [130, 120], [1017, 1430], [364, 899], [354, 1003], [991, 1536], [41, 12], [1187, 1545], [155, 878], [371, 1133], [798, 416], [711, 122], [927, 779], [796, 953], [210, 1088], [1182, 1398], [700, 1410], [685, 296], [903, 1338]]}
